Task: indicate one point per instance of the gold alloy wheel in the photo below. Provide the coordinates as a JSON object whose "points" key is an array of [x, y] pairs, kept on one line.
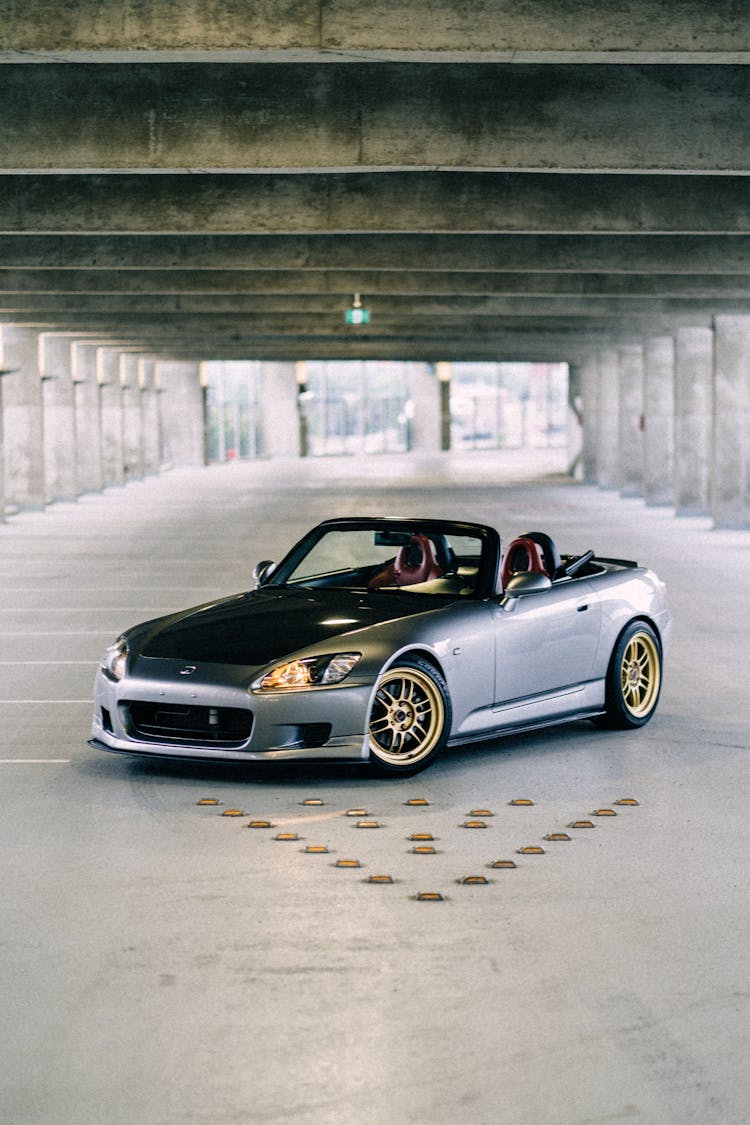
{"points": [[640, 674], [408, 716]]}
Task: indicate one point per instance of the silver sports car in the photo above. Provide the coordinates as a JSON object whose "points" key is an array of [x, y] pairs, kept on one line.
{"points": [[385, 640]]}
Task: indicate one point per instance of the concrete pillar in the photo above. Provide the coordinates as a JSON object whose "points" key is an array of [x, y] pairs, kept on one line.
{"points": [[631, 420], [150, 413], [56, 365], [88, 422], [2, 458], [132, 420], [589, 406], [281, 428], [607, 420], [108, 375], [23, 418], [181, 411], [429, 389], [574, 417], [658, 421], [693, 420], [730, 492]]}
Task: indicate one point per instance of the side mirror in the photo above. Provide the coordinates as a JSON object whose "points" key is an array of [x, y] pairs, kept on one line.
{"points": [[526, 583], [262, 572]]}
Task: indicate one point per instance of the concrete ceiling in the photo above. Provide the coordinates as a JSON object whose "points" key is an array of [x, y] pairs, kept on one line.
{"points": [[498, 180]]}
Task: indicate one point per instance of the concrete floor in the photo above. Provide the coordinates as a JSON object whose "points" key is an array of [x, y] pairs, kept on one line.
{"points": [[162, 964]]}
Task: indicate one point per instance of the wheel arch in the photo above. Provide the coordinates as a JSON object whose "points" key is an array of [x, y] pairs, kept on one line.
{"points": [[647, 620], [419, 651]]}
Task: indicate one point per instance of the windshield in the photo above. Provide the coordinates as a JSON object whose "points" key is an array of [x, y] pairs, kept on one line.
{"points": [[419, 560]]}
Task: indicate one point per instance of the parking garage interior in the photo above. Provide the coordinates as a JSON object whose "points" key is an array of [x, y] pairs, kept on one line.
{"points": [[265, 264]]}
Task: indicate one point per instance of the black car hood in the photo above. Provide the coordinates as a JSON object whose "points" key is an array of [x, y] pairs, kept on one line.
{"points": [[255, 628]]}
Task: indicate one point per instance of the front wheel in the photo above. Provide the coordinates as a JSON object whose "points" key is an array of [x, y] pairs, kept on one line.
{"points": [[410, 719], [633, 678]]}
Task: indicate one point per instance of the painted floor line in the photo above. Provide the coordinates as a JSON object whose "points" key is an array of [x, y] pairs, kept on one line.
{"points": [[91, 609], [35, 761], [59, 633]]}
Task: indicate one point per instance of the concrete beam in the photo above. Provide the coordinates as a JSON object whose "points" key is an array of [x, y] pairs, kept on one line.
{"points": [[343, 29], [374, 117], [386, 306], [268, 288], [518, 343], [618, 256], [156, 326], [392, 202]]}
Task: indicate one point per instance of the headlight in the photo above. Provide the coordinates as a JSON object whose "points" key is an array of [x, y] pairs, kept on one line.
{"points": [[311, 671], [115, 659]]}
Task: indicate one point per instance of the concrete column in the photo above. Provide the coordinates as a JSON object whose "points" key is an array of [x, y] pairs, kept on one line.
{"points": [[56, 364], [108, 376], [88, 421], [607, 420], [280, 426], [150, 416], [430, 411], [23, 418], [693, 420], [132, 420], [730, 492], [631, 420], [658, 421], [181, 411], [589, 405], [574, 417]]}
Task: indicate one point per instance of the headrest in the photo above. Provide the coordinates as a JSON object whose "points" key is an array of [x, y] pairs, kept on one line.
{"points": [[523, 554]]}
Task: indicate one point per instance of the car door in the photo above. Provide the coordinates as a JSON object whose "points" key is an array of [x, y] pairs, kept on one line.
{"points": [[545, 641]]}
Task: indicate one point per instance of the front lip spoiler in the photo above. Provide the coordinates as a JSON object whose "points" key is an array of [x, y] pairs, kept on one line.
{"points": [[351, 754]]}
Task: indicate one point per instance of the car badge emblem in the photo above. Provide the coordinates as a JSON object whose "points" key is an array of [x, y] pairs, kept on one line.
{"points": [[187, 670]]}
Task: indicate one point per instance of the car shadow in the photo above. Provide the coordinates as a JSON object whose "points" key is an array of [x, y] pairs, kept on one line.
{"points": [[548, 741]]}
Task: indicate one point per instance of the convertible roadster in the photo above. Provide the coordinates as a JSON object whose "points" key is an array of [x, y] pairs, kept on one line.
{"points": [[385, 640]]}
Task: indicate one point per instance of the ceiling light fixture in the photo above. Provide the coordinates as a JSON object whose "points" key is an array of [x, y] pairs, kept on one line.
{"points": [[357, 313]]}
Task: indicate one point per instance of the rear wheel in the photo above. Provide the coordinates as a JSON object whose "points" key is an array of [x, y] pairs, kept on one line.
{"points": [[634, 677], [410, 718]]}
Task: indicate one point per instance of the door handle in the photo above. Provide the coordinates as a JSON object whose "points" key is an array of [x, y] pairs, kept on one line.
{"points": [[582, 608]]}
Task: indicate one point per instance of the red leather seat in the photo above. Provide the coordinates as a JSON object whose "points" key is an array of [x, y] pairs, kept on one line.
{"points": [[522, 556], [416, 562]]}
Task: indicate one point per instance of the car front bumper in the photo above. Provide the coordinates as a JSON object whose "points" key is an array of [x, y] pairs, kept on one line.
{"points": [[172, 719]]}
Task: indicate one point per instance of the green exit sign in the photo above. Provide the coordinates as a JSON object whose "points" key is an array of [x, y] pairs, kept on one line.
{"points": [[357, 316]]}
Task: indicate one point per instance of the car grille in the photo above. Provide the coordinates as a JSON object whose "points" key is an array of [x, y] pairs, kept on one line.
{"points": [[173, 723]]}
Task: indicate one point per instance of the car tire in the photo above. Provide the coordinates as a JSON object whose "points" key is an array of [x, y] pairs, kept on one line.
{"points": [[633, 678], [410, 717]]}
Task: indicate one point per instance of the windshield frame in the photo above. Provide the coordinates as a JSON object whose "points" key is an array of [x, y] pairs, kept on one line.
{"points": [[489, 553]]}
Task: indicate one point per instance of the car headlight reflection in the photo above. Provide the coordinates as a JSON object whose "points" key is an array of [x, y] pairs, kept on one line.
{"points": [[115, 659], [310, 671]]}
